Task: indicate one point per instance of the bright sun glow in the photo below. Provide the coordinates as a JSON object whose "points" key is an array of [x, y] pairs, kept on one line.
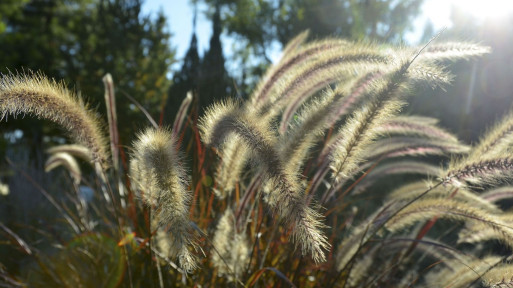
{"points": [[486, 9], [439, 11]]}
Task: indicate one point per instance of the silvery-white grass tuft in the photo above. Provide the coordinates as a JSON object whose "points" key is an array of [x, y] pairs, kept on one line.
{"points": [[488, 161], [38, 96], [453, 50], [4, 189], [76, 150], [66, 160], [159, 175], [425, 209], [232, 246]]}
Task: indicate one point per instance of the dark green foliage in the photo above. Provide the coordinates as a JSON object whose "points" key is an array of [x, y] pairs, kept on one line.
{"points": [[82, 40]]}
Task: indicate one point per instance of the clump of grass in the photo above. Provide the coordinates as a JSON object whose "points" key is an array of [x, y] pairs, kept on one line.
{"points": [[321, 131]]}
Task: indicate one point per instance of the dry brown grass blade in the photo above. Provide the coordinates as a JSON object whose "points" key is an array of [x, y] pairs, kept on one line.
{"points": [[110, 101]]}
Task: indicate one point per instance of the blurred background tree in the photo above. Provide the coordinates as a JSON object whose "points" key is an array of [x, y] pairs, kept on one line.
{"points": [[80, 41]]}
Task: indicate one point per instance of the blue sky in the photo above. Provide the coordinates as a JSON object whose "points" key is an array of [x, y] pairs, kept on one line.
{"points": [[179, 16]]}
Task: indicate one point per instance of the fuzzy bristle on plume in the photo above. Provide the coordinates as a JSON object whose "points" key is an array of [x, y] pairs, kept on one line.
{"points": [[38, 96], [160, 178]]}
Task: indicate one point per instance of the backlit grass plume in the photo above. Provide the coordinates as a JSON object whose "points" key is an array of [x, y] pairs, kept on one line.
{"points": [[489, 161], [287, 198], [157, 170], [76, 150], [451, 209], [499, 276], [66, 160], [4, 189], [233, 248], [38, 96]]}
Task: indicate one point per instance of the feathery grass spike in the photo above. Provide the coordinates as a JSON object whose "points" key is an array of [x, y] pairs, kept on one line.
{"points": [[157, 171], [110, 100], [232, 247], [66, 160], [425, 209], [233, 160], [359, 130], [182, 113], [4, 189], [295, 144], [415, 126], [287, 199], [36, 95], [278, 73], [76, 150], [453, 51], [488, 161], [295, 43], [499, 276]]}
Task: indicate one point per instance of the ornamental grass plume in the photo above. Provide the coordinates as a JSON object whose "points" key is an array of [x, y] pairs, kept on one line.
{"points": [[76, 150], [287, 199], [488, 162], [38, 96], [232, 255], [158, 173], [4, 189], [66, 160]]}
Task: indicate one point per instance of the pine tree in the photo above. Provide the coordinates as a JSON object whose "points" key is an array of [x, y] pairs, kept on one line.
{"points": [[214, 81], [187, 79]]}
